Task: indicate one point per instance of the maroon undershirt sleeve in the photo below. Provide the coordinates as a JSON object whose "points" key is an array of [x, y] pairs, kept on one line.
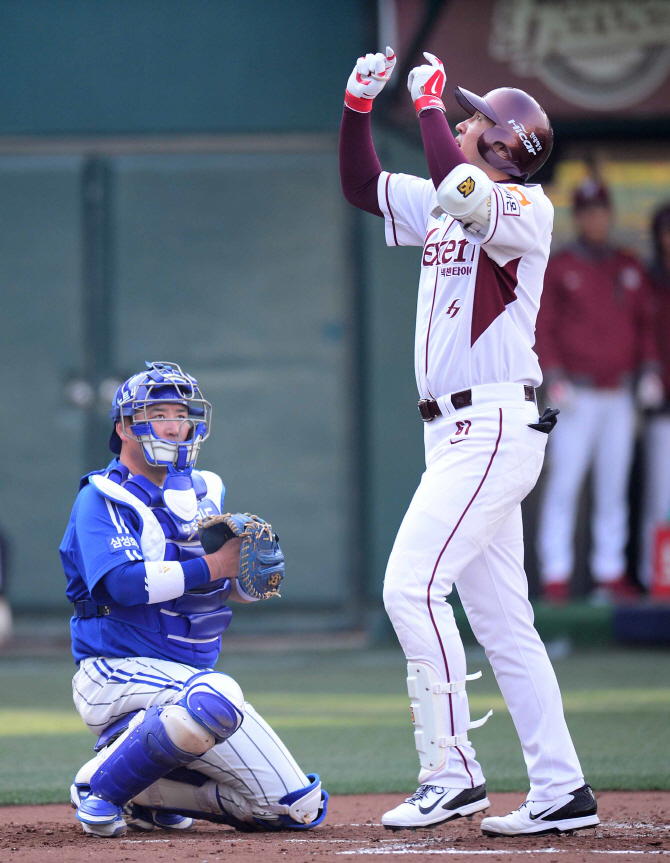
{"points": [[359, 165], [442, 151]]}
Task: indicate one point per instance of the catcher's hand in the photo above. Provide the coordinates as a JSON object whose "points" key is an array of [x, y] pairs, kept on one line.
{"points": [[426, 83], [261, 558], [368, 79]]}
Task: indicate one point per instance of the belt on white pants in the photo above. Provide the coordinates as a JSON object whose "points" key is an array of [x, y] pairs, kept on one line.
{"points": [[476, 397]]}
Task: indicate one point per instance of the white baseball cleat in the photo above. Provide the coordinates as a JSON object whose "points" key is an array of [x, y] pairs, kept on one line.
{"points": [[431, 805], [573, 811]]}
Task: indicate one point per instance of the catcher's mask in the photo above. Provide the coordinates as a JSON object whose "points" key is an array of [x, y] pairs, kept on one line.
{"points": [[162, 382], [521, 126]]}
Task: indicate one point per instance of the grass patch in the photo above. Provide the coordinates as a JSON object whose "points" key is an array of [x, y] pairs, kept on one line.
{"points": [[346, 716]]}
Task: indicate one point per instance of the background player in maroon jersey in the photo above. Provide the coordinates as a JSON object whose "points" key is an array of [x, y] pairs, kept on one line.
{"points": [[597, 349]]}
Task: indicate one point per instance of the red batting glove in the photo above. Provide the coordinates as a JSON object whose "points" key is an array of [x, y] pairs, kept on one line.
{"points": [[426, 83]]}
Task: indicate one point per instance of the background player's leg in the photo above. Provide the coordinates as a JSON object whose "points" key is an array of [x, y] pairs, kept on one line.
{"points": [[613, 456], [570, 450], [656, 509], [494, 593]]}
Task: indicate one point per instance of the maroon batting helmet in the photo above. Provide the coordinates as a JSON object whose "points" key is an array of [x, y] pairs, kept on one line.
{"points": [[521, 126]]}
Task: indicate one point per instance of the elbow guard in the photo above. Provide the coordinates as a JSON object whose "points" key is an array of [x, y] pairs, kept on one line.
{"points": [[465, 194]]}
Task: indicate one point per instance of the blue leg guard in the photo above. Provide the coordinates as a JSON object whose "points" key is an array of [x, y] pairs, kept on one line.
{"points": [[210, 709], [144, 756]]}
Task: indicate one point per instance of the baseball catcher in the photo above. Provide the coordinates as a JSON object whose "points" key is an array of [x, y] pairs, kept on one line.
{"points": [[485, 232], [151, 562]]}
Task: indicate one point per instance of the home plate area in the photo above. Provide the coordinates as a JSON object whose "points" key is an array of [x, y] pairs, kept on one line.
{"points": [[632, 824]]}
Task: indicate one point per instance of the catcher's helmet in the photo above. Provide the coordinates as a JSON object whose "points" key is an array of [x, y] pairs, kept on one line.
{"points": [[162, 382], [521, 125]]}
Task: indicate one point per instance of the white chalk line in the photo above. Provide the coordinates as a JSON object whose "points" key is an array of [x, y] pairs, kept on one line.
{"points": [[419, 850], [143, 841]]}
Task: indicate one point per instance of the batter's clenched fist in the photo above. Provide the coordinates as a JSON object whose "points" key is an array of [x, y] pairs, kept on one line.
{"points": [[367, 80], [426, 83]]}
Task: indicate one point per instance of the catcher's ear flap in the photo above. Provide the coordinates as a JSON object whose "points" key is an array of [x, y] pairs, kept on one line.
{"points": [[212, 538]]}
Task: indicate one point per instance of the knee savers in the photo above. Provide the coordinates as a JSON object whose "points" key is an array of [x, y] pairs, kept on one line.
{"points": [[426, 693]]}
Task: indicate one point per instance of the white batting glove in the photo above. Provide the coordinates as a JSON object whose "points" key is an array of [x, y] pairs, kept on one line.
{"points": [[368, 79], [649, 391], [426, 83]]}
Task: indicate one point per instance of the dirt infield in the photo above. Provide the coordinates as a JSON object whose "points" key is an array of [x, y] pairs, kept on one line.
{"points": [[632, 824]]}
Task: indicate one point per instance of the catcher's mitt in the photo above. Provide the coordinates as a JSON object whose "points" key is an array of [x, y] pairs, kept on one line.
{"points": [[261, 558]]}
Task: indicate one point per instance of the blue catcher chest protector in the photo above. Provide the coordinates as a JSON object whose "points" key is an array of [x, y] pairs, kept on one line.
{"points": [[119, 517]]}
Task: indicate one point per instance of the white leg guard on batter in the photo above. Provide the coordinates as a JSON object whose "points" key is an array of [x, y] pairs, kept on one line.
{"points": [[428, 713]]}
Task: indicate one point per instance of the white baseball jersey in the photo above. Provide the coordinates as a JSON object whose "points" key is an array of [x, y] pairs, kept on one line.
{"points": [[478, 296]]}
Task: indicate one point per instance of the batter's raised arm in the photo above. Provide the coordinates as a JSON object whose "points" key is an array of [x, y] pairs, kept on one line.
{"points": [[425, 84], [359, 165]]}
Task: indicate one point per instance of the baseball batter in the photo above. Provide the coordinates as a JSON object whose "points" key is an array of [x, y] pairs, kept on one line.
{"points": [[176, 740], [485, 235]]}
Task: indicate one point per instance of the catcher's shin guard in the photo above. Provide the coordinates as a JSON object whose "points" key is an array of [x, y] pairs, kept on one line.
{"points": [[146, 754], [209, 711]]}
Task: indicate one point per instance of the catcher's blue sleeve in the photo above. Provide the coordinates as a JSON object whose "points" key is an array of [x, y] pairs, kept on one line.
{"points": [[101, 547], [127, 583]]}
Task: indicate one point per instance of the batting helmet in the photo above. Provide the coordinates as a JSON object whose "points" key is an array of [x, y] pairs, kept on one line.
{"points": [[521, 126]]}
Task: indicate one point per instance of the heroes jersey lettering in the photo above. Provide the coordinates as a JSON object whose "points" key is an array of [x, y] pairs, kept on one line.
{"points": [[478, 296]]}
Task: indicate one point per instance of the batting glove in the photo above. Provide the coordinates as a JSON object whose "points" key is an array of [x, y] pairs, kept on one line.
{"points": [[426, 83], [368, 79]]}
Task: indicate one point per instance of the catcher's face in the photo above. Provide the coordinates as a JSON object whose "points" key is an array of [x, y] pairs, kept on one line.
{"points": [[167, 420]]}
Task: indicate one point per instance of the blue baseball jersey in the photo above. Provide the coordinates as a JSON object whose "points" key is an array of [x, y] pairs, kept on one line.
{"points": [[102, 534]]}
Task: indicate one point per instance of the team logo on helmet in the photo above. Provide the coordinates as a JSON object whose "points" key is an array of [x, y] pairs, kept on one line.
{"points": [[530, 141], [467, 187]]}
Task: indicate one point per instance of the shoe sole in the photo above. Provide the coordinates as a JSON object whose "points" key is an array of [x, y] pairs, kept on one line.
{"points": [[105, 831], [463, 812], [570, 825], [142, 826]]}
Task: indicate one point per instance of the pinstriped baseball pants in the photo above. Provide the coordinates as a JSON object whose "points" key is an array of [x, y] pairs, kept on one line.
{"points": [[253, 762]]}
